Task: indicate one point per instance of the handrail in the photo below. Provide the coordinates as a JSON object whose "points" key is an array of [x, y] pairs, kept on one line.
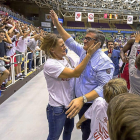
{"points": [[12, 63]]}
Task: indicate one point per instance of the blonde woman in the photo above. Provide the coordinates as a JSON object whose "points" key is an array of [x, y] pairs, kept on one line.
{"points": [[59, 70]]}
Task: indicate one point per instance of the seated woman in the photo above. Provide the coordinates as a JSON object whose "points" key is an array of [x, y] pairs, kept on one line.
{"points": [[59, 70]]}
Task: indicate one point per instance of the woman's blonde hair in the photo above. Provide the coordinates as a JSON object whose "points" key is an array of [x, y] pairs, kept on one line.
{"points": [[113, 88], [48, 42]]}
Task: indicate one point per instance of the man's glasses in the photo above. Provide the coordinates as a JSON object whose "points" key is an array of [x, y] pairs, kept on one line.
{"points": [[89, 39]]}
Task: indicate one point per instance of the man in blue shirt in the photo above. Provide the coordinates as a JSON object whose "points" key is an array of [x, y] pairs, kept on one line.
{"points": [[97, 73], [114, 56]]}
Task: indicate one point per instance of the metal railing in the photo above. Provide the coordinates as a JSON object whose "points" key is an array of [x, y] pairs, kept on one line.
{"points": [[13, 68], [25, 61]]}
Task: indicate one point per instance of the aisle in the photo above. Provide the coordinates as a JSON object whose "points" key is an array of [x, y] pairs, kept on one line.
{"points": [[23, 115]]}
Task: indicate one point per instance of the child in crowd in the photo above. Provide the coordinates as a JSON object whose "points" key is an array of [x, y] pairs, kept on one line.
{"points": [[97, 111], [124, 117]]}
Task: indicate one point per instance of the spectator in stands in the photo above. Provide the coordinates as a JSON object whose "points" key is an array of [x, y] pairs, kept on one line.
{"points": [[31, 48], [97, 112], [120, 46], [123, 117], [11, 48], [37, 51], [97, 73], [21, 48], [58, 71], [116, 47], [114, 56], [3, 57], [134, 67]]}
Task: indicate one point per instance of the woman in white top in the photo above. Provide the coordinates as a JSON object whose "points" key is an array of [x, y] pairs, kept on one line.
{"points": [[59, 70]]}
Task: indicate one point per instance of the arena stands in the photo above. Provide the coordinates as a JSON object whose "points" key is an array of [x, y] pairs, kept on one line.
{"points": [[123, 26], [16, 26], [99, 25], [14, 15], [75, 24]]}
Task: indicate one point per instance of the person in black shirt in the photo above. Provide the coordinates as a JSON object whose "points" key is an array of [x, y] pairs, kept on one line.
{"points": [[3, 59]]}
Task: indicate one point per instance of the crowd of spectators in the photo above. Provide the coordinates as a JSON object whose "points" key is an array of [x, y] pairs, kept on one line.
{"points": [[6, 10], [17, 38]]}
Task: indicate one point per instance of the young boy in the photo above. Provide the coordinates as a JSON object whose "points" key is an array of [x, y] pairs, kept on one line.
{"points": [[98, 110], [124, 117]]}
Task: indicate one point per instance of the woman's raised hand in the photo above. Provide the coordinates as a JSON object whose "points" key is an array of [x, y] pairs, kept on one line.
{"points": [[54, 17]]}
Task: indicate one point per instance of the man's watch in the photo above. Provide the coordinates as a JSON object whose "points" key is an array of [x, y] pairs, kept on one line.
{"points": [[85, 99]]}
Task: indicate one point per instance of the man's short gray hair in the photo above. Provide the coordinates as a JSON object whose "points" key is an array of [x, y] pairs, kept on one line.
{"points": [[99, 35]]}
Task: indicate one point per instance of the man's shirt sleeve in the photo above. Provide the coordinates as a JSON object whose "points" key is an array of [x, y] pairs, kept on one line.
{"points": [[132, 58], [73, 45], [103, 77], [104, 73]]}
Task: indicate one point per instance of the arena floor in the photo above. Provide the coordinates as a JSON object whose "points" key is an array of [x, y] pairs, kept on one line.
{"points": [[23, 115]]}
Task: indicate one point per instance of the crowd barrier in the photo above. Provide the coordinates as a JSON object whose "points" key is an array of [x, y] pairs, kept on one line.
{"points": [[25, 61]]}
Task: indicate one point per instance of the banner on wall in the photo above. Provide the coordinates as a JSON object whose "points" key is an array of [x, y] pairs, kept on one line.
{"points": [[90, 17], [46, 24], [47, 17], [116, 16], [105, 15], [129, 19], [110, 16], [78, 16]]}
